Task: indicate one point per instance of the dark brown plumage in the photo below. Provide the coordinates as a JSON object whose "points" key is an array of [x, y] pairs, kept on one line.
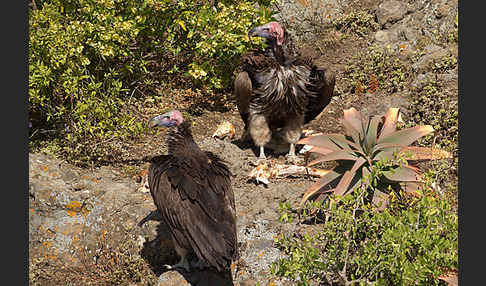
{"points": [[192, 191], [278, 90]]}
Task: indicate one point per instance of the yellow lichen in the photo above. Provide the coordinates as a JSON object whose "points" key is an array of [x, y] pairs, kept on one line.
{"points": [[72, 208]]}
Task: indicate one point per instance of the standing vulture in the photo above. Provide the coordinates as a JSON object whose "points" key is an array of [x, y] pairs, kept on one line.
{"points": [[192, 191], [278, 91]]}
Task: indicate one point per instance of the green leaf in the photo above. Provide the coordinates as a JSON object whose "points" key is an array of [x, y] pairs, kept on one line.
{"points": [[366, 174], [182, 24], [350, 131], [385, 146], [342, 187]]}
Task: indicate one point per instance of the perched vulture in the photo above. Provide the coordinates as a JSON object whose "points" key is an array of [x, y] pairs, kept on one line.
{"points": [[278, 91], [192, 191]]}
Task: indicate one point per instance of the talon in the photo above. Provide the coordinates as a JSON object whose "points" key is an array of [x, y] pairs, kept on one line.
{"points": [[183, 264], [292, 159]]}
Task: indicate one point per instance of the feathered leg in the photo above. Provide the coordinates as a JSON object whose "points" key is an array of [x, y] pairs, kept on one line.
{"points": [[259, 132], [242, 92], [292, 132]]}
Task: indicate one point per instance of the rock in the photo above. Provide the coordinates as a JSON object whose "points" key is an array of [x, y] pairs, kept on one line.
{"points": [[390, 12], [432, 53], [382, 36], [303, 17], [441, 10], [79, 216], [171, 278], [70, 209], [420, 81]]}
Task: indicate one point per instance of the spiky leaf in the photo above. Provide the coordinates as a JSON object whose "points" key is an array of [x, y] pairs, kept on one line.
{"points": [[386, 153], [411, 187], [403, 174], [353, 122], [324, 141], [371, 132], [390, 124], [348, 176], [336, 155], [407, 136], [323, 181], [320, 150]]}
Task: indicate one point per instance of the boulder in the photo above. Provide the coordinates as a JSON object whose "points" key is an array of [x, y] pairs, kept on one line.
{"points": [[389, 12]]}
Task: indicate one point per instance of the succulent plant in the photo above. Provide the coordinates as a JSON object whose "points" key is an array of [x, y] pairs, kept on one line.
{"points": [[366, 142]]}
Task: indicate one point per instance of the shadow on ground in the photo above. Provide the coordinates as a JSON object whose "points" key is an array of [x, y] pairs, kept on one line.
{"points": [[160, 252]]}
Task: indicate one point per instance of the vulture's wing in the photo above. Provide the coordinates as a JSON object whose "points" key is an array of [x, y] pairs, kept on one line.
{"points": [[322, 82], [197, 204], [242, 90]]}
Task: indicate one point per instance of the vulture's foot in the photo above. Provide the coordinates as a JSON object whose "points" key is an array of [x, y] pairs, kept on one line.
{"points": [[293, 159], [184, 264], [258, 161]]}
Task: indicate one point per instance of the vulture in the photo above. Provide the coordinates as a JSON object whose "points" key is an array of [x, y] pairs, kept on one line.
{"points": [[192, 192], [277, 90]]}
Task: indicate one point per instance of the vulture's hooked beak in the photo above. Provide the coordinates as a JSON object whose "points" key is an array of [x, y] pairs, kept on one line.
{"points": [[261, 31], [162, 120]]}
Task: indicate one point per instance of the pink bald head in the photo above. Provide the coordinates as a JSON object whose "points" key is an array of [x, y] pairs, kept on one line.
{"points": [[168, 119], [176, 115], [271, 31], [277, 30]]}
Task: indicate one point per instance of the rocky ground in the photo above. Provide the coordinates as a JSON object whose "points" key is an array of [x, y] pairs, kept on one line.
{"points": [[83, 222]]}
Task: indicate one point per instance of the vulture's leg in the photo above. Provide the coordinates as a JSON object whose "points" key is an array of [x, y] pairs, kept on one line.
{"points": [[183, 263], [292, 133], [260, 133], [262, 154], [242, 91]]}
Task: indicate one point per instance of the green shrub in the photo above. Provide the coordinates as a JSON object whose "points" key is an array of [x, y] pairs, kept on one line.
{"points": [[88, 57], [361, 23], [410, 245], [376, 68], [434, 105]]}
